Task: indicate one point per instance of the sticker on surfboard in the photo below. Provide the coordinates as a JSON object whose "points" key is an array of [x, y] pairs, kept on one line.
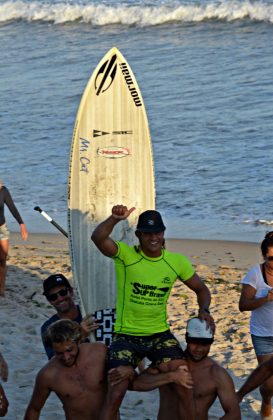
{"points": [[106, 318]]}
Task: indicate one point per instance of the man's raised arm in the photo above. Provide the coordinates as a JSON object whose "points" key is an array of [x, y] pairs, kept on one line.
{"points": [[101, 235]]}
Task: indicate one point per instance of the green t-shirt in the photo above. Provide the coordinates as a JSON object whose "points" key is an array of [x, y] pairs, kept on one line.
{"points": [[143, 288]]}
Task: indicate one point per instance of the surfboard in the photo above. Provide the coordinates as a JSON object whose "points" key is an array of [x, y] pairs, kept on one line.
{"points": [[110, 163]]}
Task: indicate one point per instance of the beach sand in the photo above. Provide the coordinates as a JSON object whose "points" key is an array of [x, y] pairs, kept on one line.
{"points": [[220, 263]]}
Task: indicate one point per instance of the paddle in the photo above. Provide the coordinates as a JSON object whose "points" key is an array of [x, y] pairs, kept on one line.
{"points": [[106, 317], [49, 219]]}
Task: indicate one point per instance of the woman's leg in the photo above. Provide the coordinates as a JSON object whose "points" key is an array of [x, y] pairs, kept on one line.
{"points": [[266, 390], [4, 249]]}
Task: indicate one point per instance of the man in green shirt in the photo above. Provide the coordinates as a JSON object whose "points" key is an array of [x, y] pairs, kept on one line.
{"points": [[145, 275]]}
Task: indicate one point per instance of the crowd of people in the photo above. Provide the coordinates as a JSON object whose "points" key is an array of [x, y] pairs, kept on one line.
{"points": [[91, 379]]}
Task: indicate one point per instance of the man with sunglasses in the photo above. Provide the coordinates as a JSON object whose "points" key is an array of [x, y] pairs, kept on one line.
{"points": [[60, 295]]}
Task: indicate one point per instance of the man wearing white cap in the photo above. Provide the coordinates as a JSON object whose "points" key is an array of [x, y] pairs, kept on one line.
{"points": [[210, 380]]}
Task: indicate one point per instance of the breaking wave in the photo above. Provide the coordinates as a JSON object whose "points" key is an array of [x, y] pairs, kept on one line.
{"points": [[137, 15]]}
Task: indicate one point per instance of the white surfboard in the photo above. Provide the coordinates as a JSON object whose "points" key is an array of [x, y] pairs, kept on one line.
{"points": [[110, 163]]}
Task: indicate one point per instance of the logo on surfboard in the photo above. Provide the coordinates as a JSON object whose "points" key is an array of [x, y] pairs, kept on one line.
{"points": [[99, 133], [113, 152], [106, 75]]}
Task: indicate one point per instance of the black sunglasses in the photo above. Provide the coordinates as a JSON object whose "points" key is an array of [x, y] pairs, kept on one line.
{"points": [[54, 296], [269, 258]]}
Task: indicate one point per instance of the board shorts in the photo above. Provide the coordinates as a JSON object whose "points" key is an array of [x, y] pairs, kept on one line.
{"points": [[4, 232], [130, 349], [262, 345]]}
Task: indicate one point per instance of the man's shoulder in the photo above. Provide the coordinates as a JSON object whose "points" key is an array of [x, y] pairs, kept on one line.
{"points": [[123, 246], [219, 373], [95, 352], [47, 373], [48, 322], [126, 251], [172, 254], [94, 347]]}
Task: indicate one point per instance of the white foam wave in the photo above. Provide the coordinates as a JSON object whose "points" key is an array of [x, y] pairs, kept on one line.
{"points": [[260, 222], [140, 15]]}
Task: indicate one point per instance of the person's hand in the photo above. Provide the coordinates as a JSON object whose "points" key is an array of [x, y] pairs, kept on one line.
{"points": [[121, 212], [120, 373], [88, 325], [203, 314], [182, 376], [4, 371], [24, 232]]}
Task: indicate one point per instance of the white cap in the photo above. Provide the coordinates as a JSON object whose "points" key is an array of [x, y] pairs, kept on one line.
{"points": [[198, 331]]}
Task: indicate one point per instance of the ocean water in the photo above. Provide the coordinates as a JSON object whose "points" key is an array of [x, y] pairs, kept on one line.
{"points": [[205, 72]]}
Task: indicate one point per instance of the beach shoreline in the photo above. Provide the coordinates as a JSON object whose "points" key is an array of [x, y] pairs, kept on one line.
{"points": [[220, 263]]}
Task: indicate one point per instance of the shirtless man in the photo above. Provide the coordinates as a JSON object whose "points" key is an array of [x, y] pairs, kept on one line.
{"points": [[76, 374], [210, 380]]}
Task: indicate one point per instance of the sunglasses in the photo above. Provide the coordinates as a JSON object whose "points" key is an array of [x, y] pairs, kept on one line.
{"points": [[269, 258], [54, 296]]}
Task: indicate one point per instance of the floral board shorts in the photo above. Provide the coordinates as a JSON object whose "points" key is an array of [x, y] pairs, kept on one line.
{"points": [[130, 350]]}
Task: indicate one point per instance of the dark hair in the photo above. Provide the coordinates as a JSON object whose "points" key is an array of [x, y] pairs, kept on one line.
{"points": [[267, 243], [61, 331]]}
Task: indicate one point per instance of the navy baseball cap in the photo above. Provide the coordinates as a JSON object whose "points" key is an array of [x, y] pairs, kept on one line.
{"points": [[55, 280], [150, 221]]}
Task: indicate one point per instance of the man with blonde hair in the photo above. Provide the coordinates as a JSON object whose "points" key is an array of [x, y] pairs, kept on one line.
{"points": [[76, 373]]}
